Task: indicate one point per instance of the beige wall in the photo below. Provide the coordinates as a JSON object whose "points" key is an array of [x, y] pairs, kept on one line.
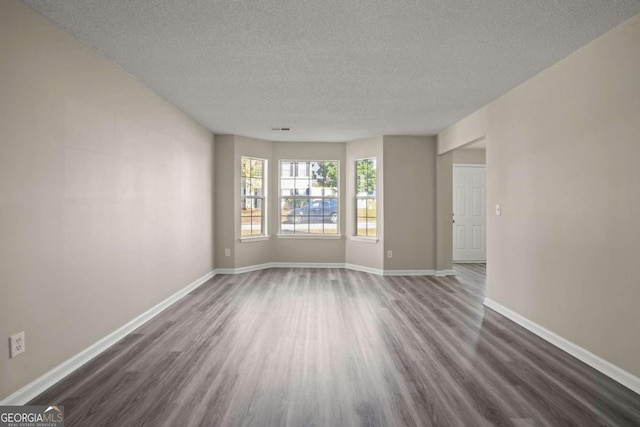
{"points": [[105, 196], [471, 129], [404, 165], [469, 157], [255, 252], [304, 250], [229, 150], [444, 216], [225, 197], [364, 253], [563, 154], [410, 202]]}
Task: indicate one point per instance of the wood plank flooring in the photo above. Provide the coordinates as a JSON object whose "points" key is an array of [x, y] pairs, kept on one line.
{"points": [[333, 347]]}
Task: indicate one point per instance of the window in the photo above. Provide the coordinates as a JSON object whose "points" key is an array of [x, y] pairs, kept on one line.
{"points": [[309, 202], [366, 197], [252, 184]]}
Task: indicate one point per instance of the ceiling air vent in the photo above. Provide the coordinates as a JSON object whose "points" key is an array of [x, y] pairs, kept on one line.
{"points": [[281, 129]]}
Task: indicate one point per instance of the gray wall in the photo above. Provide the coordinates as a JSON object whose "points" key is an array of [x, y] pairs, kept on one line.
{"points": [[407, 225], [410, 202], [444, 215], [225, 200], [563, 157], [106, 200], [364, 253], [469, 157], [304, 250], [229, 150]]}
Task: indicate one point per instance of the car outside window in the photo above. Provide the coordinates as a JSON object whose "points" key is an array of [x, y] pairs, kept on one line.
{"points": [[309, 200]]}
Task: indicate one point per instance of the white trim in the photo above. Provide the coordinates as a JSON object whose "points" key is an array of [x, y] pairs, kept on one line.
{"points": [[248, 239], [347, 266], [309, 236], [246, 269], [469, 165], [363, 239], [483, 261], [42, 383], [409, 273], [441, 273], [609, 369], [307, 265], [364, 269]]}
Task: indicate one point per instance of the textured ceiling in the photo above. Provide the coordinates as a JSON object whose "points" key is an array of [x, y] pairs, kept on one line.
{"points": [[334, 70]]}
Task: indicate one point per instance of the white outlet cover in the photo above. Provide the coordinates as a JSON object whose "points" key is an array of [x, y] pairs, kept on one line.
{"points": [[17, 344]]}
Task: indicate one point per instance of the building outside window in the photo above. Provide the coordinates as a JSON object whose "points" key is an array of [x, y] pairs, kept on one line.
{"points": [[309, 199]]}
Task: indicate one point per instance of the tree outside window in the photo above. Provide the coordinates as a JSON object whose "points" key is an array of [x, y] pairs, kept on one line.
{"points": [[252, 197], [366, 212], [309, 199]]}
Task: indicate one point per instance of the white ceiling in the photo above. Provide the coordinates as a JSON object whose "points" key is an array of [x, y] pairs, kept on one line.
{"points": [[334, 70]]}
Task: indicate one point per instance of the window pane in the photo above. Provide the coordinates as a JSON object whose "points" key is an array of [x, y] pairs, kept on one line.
{"points": [[285, 169], [365, 193], [304, 186], [302, 170], [256, 187], [365, 177], [287, 187], [256, 168], [251, 201], [366, 217], [244, 186]]}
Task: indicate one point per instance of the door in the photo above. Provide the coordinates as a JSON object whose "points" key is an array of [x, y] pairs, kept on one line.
{"points": [[469, 214]]}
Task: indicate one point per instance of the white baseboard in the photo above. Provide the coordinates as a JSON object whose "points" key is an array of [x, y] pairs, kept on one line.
{"points": [[409, 273], [334, 265], [609, 369], [440, 273], [42, 383], [307, 265], [480, 261], [246, 269], [264, 266], [364, 269], [39, 385]]}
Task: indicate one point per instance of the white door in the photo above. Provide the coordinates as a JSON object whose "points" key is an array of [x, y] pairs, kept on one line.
{"points": [[469, 214]]}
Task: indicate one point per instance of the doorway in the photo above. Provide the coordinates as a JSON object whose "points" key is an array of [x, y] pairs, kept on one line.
{"points": [[469, 213]]}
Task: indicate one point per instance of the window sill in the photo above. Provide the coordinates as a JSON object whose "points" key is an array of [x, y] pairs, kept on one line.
{"points": [[247, 239], [363, 239], [310, 236]]}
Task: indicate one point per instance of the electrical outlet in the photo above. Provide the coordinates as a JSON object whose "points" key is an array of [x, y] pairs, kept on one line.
{"points": [[16, 344], [389, 254], [227, 252]]}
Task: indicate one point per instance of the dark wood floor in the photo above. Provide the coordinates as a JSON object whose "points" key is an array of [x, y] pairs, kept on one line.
{"points": [[333, 347]]}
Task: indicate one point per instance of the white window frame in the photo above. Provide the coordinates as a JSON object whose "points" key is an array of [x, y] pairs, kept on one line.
{"points": [[293, 235], [262, 198], [366, 198]]}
